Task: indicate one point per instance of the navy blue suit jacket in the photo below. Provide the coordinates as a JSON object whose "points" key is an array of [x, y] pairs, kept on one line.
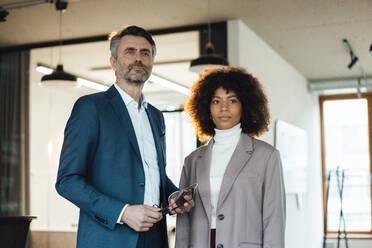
{"points": [[101, 168]]}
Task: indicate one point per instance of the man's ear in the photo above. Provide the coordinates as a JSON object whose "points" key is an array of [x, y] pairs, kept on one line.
{"points": [[112, 62]]}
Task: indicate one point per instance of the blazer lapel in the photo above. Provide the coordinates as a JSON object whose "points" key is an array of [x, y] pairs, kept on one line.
{"points": [[156, 132], [122, 112], [202, 172], [239, 158]]}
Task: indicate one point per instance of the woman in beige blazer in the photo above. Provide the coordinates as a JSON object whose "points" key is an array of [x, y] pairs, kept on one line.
{"points": [[240, 201]]}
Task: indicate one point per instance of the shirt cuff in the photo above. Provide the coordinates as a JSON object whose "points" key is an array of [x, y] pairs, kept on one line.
{"points": [[121, 214]]}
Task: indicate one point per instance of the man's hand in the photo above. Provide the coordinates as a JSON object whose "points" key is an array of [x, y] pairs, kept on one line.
{"points": [[141, 217], [185, 208]]}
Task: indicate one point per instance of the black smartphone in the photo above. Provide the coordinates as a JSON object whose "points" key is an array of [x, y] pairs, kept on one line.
{"points": [[180, 200], [190, 190]]}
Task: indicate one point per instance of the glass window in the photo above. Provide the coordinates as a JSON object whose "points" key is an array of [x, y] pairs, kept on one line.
{"points": [[346, 147], [181, 141]]}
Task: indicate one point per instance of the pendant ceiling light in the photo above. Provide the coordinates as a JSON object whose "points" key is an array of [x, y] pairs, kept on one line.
{"points": [[59, 77], [210, 60]]}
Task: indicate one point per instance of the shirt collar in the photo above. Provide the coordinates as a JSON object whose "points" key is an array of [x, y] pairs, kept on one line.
{"points": [[128, 100]]}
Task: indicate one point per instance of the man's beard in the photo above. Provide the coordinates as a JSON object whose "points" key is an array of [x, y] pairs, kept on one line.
{"points": [[134, 77]]}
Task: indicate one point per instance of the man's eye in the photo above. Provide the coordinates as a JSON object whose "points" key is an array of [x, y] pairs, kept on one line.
{"points": [[146, 54]]}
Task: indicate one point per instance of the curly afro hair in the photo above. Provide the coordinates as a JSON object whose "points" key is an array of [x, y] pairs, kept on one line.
{"points": [[255, 116]]}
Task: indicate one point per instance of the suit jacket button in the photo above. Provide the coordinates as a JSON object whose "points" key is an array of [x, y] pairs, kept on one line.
{"points": [[220, 246], [141, 184], [221, 217]]}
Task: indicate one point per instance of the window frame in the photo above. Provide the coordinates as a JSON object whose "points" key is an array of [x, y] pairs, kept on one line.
{"points": [[322, 99]]}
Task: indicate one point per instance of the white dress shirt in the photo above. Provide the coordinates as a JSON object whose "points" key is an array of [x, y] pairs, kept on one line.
{"points": [[146, 145], [224, 145]]}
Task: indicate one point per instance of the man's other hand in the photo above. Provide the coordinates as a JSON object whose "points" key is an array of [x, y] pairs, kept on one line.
{"points": [[141, 217]]}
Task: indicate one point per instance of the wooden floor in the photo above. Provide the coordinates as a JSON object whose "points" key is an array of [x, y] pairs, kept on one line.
{"points": [[53, 239]]}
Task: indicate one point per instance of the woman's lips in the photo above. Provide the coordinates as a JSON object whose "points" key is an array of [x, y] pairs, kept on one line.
{"points": [[224, 118]]}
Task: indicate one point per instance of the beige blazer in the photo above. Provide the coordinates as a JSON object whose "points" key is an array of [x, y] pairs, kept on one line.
{"points": [[251, 202]]}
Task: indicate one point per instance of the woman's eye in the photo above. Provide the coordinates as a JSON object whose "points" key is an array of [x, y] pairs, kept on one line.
{"points": [[232, 101], [215, 102]]}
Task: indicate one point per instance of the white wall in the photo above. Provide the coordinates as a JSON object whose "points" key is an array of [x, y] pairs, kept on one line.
{"points": [[289, 101], [49, 110]]}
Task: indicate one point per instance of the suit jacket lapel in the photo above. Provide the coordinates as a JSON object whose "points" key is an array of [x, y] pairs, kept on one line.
{"points": [[239, 158], [122, 112], [202, 173], [156, 132]]}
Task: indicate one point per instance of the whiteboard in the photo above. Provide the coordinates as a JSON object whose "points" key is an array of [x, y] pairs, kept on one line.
{"points": [[291, 141]]}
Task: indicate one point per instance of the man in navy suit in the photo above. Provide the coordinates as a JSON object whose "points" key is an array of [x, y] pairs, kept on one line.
{"points": [[112, 163]]}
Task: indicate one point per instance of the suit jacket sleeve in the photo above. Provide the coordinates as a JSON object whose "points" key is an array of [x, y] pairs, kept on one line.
{"points": [[77, 155], [273, 203]]}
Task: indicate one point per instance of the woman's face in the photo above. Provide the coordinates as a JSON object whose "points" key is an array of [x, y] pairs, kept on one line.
{"points": [[226, 109]]}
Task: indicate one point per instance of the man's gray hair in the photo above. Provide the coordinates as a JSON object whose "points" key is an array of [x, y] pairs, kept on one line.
{"points": [[115, 37]]}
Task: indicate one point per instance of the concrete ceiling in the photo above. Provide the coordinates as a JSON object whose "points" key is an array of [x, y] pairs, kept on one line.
{"points": [[308, 34]]}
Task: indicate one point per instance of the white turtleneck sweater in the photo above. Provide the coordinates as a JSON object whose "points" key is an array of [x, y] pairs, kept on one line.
{"points": [[224, 144]]}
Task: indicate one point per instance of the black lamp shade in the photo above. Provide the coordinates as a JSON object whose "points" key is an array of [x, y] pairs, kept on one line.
{"points": [[210, 60], [58, 75], [207, 61]]}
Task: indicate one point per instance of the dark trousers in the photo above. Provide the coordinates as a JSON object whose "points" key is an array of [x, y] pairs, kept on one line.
{"points": [[151, 239], [213, 238]]}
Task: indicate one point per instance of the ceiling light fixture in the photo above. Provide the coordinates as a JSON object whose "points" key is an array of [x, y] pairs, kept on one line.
{"points": [[91, 84], [355, 60], [3, 14], [59, 76], [43, 69], [80, 81], [20, 4], [156, 79], [210, 60]]}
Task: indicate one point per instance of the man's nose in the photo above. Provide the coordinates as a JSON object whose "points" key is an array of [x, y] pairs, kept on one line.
{"points": [[138, 56]]}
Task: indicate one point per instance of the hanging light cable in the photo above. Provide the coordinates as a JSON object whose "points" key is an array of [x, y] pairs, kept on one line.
{"points": [[59, 77], [210, 60]]}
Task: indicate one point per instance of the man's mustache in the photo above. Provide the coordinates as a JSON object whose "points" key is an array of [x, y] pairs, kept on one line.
{"points": [[138, 64]]}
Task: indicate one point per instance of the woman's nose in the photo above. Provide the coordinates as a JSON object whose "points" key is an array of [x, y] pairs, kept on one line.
{"points": [[224, 106]]}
